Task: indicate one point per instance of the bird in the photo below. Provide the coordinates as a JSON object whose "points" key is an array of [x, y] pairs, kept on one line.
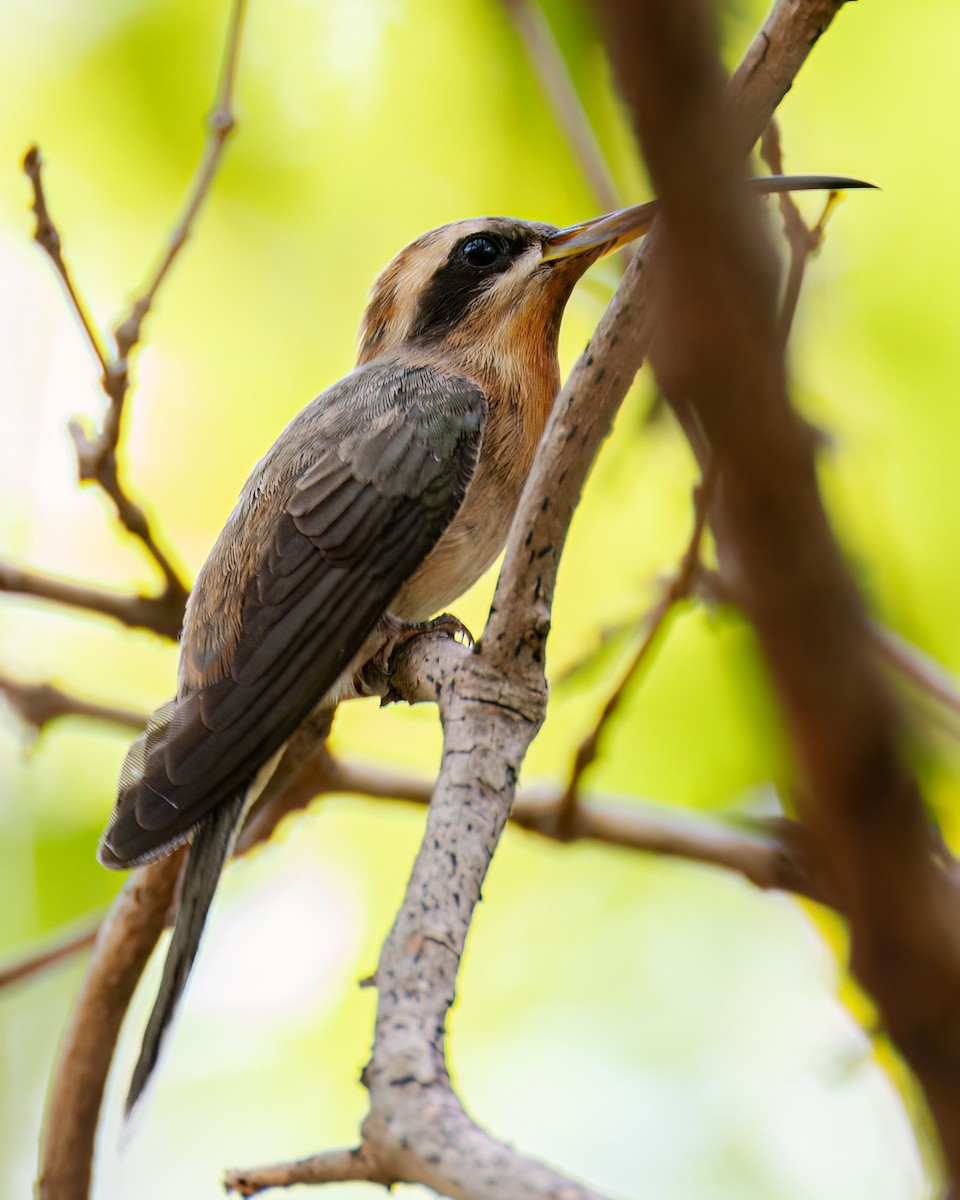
{"points": [[380, 503]]}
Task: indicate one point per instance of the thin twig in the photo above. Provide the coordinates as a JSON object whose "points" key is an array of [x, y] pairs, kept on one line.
{"points": [[47, 237], [220, 124], [96, 457], [161, 614], [915, 666], [66, 946], [40, 703], [679, 587], [803, 240], [332, 1166], [97, 451]]}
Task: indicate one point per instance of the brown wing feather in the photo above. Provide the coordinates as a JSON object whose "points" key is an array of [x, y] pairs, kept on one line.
{"points": [[350, 500]]}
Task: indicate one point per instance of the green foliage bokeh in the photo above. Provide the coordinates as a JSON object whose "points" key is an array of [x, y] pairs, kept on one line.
{"points": [[655, 1028]]}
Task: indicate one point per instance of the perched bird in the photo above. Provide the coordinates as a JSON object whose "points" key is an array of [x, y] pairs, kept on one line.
{"points": [[378, 505]]}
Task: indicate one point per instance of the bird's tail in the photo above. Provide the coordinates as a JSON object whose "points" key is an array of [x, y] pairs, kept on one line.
{"points": [[211, 847]]}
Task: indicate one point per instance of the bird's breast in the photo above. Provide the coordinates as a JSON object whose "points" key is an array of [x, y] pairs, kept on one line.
{"points": [[477, 534]]}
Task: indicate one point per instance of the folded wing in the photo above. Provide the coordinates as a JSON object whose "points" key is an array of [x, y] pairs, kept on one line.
{"points": [[347, 504]]}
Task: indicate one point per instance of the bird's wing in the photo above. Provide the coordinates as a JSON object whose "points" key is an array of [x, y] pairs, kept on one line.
{"points": [[344, 508]]}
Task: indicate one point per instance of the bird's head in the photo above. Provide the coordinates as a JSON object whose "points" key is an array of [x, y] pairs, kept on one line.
{"points": [[489, 284], [487, 294]]}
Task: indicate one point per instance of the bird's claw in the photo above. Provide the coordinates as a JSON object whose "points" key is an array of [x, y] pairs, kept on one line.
{"points": [[452, 626], [446, 623], [373, 678]]}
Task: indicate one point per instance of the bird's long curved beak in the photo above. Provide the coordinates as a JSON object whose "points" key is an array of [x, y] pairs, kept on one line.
{"points": [[615, 229]]}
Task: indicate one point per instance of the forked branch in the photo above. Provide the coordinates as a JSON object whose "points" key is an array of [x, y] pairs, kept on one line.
{"points": [[96, 448]]}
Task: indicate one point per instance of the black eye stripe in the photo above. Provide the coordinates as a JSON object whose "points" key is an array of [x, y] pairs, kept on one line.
{"points": [[472, 267]]}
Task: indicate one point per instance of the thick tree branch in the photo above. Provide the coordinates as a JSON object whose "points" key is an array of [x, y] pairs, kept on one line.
{"points": [[416, 1129], [771, 64], [123, 946], [721, 352]]}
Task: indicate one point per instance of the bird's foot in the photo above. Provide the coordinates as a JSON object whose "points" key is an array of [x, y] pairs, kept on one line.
{"points": [[373, 679]]}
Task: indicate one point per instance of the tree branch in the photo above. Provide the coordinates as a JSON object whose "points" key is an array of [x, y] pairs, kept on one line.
{"points": [[720, 350], [916, 667], [37, 704], [679, 587], [47, 237], [65, 947], [123, 945], [96, 457], [803, 240], [332, 1166], [161, 614], [221, 122], [97, 450]]}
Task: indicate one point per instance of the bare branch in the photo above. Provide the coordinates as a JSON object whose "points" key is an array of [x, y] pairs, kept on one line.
{"points": [[47, 237], [220, 124], [65, 947], [97, 450], [121, 951], [679, 588], [332, 1166], [721, 351], [772, 855], [803, 240], [96, 457], [161, 614], [40, 703], [771, 64], [918, 668]]}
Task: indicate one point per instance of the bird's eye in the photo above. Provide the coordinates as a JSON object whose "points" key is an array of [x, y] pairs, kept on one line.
{"points": [[480, 251]]}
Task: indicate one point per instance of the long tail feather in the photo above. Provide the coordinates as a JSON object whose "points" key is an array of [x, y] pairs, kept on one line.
{"points": [[210, 849]]}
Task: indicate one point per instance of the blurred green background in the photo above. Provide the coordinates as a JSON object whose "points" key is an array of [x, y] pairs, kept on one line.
{"points": [[654, 1028]]}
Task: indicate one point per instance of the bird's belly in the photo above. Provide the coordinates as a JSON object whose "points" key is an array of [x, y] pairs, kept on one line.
{"points": [[467, 549]]}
